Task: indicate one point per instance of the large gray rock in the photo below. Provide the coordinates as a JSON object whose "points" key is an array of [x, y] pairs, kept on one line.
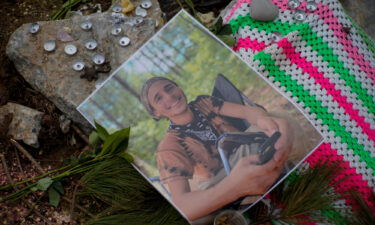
{"points": [[51, 73], [25, 123]]}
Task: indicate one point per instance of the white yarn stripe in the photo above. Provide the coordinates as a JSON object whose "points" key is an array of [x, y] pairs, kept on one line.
{"points": [[253, 34], [340, 207], [308, 84], [243, 10], [321, 29], [335, 7], [303, 166], [322, 66], [354, 36], [326, 99], [341, 204], [247, 55], [329, 72], [342, 149], [362, 47]]}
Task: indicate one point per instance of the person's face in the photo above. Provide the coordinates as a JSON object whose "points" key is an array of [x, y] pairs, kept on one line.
{"points": [[166, 99]]}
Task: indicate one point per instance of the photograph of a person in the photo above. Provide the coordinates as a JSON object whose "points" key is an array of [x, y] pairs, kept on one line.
{"points": [[207, 131]]}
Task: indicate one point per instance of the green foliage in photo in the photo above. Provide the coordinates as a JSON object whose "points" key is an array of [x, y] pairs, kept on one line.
{"points": [[186, 53]]}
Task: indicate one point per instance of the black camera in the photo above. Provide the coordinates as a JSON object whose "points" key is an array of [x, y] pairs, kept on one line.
{"points": [[267, 149]]}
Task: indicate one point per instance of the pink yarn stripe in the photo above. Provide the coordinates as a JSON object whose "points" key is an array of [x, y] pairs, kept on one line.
{"points": [[283, 5], [234, 9], [353, 181], [247, 43], [307, 223], [307, 67], [326, 14]]}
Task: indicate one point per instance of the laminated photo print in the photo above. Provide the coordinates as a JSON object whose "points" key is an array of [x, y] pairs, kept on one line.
{"points": [[207, 131]]}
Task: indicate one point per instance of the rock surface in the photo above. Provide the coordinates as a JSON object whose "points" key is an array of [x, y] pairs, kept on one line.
{"points": [[263, 10], [64, 124], [51, 73], [25, 123], [362, 11]]}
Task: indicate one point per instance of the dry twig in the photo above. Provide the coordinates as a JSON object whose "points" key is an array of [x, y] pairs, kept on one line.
{"points": [[19, 162], [78, 206], [72, 205], [31, 206], [27, 154], [41, 170], [80, 133], [7, 171]]}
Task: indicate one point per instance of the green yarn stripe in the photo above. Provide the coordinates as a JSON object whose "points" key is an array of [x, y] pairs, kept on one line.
{"points": [[292, 176], [334, 215], [333, 61], [317, 44], [316, 107], [330, 213]]}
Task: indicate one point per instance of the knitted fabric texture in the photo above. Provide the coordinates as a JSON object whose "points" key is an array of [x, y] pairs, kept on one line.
{"points": [[326, 65]]}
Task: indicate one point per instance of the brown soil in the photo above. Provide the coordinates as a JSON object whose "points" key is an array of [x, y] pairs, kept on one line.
{"points": [[55, 146]]}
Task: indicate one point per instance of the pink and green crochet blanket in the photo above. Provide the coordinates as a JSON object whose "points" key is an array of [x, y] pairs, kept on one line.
{"points": [[326, 65]]}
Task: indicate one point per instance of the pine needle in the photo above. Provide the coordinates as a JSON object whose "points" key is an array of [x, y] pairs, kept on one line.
{"points": [[364, 214], [301, 198], [130, 198]]}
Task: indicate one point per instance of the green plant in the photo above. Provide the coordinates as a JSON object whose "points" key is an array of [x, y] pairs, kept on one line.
{"points": [[109, 145], [364, 214], [302, 197], [108, 177], [65, 8], [223, 32], [127, 195]]}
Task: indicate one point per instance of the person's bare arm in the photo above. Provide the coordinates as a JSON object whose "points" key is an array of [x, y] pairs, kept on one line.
{"points": [[254, 115], [244, 179], [269, 124]]}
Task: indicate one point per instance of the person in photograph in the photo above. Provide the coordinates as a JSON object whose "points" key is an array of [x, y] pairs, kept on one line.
{"points": [[187, 153]]}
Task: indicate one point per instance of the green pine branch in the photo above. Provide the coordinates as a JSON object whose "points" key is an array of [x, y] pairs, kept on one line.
{"points": [[124, 195], [302, 197]]}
